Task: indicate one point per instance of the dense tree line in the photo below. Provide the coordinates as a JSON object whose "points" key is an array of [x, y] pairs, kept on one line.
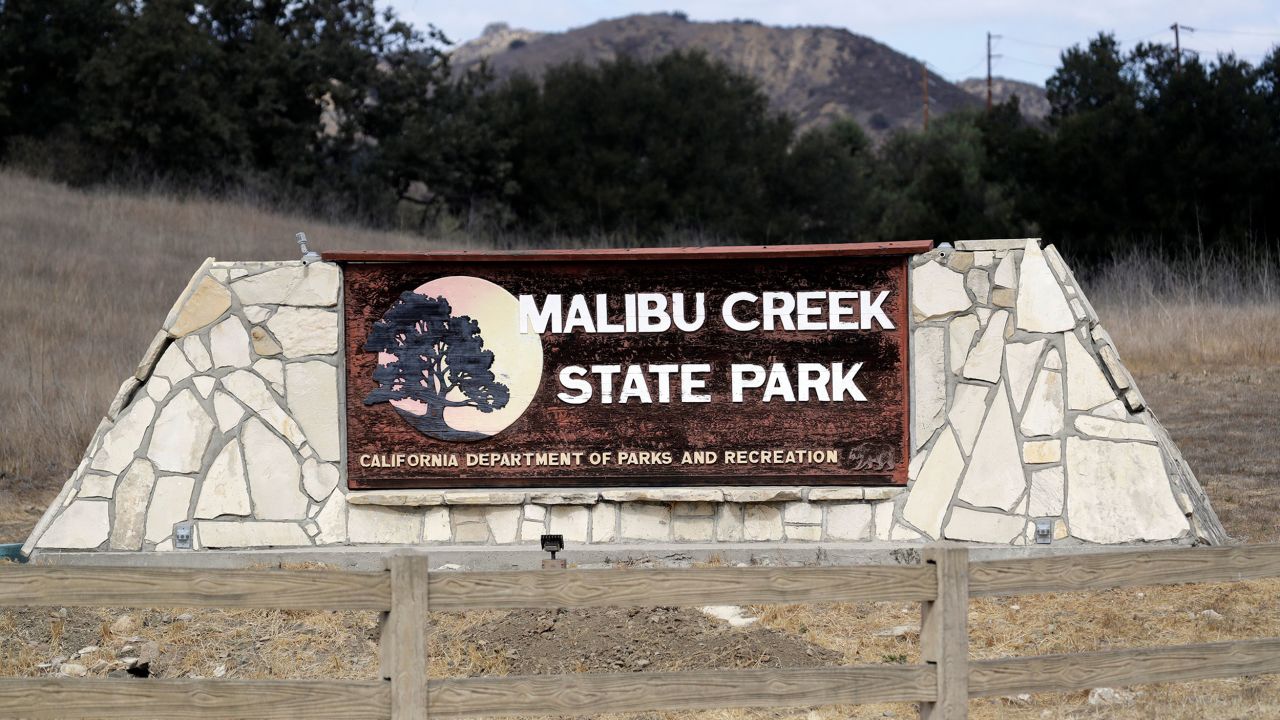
{"points": [[342, 107]]}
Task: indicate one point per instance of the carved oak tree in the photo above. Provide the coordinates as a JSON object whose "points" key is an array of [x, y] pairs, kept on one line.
{"points": [[440, 362]]}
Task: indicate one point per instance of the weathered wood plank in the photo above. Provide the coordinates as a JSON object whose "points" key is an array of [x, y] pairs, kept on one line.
{"points": [[589, 694], [944, 633], [58, 698], [687, 587], [1123, 569], [898, 247], [1113, 668], [406, 641], [183, 587]]}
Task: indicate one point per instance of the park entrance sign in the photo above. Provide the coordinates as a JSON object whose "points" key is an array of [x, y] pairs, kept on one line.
{"points": [[762, 397], [628, 368]]}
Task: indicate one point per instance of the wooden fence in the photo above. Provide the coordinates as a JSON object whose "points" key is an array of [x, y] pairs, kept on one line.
{"points": [[942, 683]]}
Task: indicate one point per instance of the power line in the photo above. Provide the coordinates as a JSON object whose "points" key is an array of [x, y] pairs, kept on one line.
{"points": [[1238, 32], [1032, 43], [1027, 62]]}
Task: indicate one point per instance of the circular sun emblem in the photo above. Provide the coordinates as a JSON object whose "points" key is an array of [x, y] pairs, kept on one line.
{"points": [[452, 360]]}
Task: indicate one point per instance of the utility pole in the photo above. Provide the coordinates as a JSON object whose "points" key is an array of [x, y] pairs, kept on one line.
{"points": [[924, 89], [1177, 41], [990, 37]]}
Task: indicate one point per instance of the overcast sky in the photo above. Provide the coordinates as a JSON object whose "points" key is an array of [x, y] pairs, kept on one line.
{"points": [[950, 36]]}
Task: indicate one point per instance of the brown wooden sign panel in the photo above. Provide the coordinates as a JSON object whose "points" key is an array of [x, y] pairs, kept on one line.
{"points": [[613, 369]]}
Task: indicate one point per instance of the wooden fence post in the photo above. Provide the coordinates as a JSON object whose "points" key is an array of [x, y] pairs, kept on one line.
{"points": [[404, 637], [944, 633]]}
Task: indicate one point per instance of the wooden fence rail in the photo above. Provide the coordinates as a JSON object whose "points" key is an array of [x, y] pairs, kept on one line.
{"points": [[942, 683]]}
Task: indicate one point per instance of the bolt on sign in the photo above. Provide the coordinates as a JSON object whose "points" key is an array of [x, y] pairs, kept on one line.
{"points": [[706, 366]]}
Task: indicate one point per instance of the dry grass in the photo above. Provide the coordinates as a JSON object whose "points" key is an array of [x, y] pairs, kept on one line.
{"points": [[86, 277]]}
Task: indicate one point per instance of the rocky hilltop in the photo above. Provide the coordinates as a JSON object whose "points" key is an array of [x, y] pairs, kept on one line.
{"points": [[1031, 98], [817, 74]]}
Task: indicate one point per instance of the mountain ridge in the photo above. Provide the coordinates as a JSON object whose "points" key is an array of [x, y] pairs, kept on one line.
{"points": [[817, 74]]}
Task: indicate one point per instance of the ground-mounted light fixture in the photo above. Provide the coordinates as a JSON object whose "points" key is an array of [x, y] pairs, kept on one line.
{"points": [[1044, 531], [553, 544], [182, 534], [308, 256]]}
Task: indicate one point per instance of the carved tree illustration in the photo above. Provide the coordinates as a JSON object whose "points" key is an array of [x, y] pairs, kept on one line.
{"points": [[440, 361]]}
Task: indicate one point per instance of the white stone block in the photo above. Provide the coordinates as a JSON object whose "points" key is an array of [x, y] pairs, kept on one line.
{"points": [[1119, 492], [252, 391], [97, 486], [193, 348], [983, 258], [319, 478], [312, 394], [1113, 429], [937, 291], [966, 413], [224, 491], [803, 512], [883, 519], [332, 521], [604, 518], [664, 495], [987, 527], [487, 497], [960, 332], [1087, 388], [120, 443], [1039, 452], [133, 494], [229, 344], [761, 522], [227, 410], [571, 521], [729, 522], [994, 477], [979, 283], [436, 527], [928, 384], [531, 531], [1043, 415], [849, 521], [157, 388], [398, 498], [930, 496], [535, 512], [693, 529], [181, 435], [1048, 488], [305, 331], [504, 524], [803, 533], [301, 285], [828, 494], [1041, 306], [760, 494], [249, 534], [902, 533], [170, 502], [1020, 366], [272, 371], [263, 343], [257, 314], [565, 497], [274, 474], [82, 525], [693, 509], [984, 360], [646, 521], [383, 525], [1114, 410], [207, 300]]}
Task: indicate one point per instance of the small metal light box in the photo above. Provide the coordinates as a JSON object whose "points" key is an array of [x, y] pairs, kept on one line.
{"points": [[182, 536], [1044, 531]]}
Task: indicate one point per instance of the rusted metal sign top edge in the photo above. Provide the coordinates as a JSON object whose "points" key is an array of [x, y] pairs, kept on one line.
{"points": [[727, 252]]}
